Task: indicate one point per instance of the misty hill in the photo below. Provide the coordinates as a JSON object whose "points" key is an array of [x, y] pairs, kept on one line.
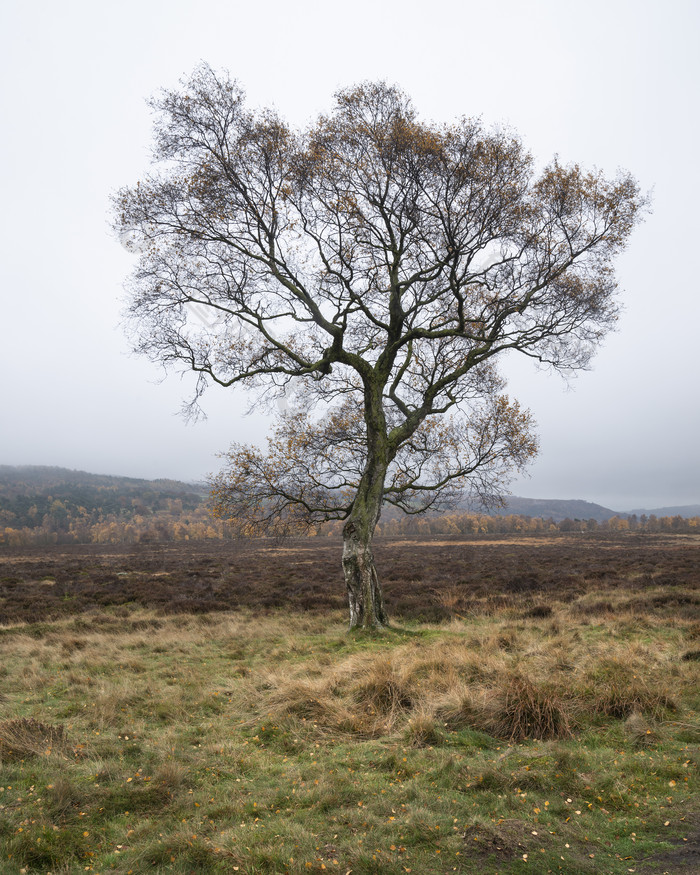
{"points": [[555, 509], [28, 493], [575, 509], [685, 510], [79, 505]]}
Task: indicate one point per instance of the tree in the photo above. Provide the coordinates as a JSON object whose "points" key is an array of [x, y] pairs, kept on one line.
{"points": [[370, 269]]}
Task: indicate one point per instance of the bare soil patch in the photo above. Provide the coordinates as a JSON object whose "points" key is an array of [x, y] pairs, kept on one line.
{"points": [[683, 858]]}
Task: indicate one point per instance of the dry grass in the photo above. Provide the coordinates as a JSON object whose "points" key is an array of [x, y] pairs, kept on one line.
{"points": [[383, 687], [422, 730], [627, 682], [639, 730], [252, 739], [413, 692], [519, 709], [512, 681], [24, 737]]}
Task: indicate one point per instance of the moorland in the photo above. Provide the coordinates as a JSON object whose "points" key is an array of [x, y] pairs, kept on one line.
{"points": [[199, 706]]}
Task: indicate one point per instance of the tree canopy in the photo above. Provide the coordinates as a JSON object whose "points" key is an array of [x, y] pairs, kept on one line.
{"points": [[370, 268]]}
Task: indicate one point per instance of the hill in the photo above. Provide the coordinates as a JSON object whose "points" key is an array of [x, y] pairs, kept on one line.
{"points": [[576, 509], [35, 495], [48, 505], [555, 509], [684, 510]]}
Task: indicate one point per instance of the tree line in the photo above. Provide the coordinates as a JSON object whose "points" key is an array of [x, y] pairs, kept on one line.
{"points": [[172, 523]]}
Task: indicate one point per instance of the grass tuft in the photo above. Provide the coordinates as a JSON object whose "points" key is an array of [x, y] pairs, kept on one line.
{"points": [[519, 710], [639, 731], [382, 689], [64, 797], [24, 737], [423, 731], [620, 702]]}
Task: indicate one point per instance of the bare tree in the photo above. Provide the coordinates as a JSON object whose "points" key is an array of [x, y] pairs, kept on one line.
{"points": [[374, 266]]}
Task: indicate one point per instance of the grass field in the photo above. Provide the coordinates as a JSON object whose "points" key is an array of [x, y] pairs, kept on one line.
{"points": [[202, 708]]}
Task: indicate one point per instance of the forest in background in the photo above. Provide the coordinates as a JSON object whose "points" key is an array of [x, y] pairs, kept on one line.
{"points": [[45, 505]]}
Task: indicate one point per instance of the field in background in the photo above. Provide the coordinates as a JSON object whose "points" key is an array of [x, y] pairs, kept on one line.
{"points": [[200, 707]]}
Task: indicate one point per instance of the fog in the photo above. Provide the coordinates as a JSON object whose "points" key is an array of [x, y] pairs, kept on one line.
{"points": [[603, 84]]}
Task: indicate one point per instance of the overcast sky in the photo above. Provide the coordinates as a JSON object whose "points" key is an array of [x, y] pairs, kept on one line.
{"points": [[608, 84]]}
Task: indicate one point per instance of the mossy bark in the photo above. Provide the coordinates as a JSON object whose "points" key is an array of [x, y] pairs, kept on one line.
{"points": [[365, 596]]}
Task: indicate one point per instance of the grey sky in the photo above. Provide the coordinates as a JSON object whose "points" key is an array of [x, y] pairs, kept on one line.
{"points": [[611, 84]]}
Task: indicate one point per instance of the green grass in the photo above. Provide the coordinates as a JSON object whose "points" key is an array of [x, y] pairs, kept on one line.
{"points": [[230, 743]]}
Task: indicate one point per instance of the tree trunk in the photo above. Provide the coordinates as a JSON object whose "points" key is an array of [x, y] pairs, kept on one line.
{"points": [[367, 609]]}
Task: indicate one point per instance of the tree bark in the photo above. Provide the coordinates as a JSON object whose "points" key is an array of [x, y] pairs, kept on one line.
{"points": [[365, 595]]}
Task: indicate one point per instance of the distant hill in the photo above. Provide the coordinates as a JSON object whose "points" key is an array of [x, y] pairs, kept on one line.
{"points": [[574, 509], [29, 493], [44, 476], [687, 511], [84, 506], [555, 509]]}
